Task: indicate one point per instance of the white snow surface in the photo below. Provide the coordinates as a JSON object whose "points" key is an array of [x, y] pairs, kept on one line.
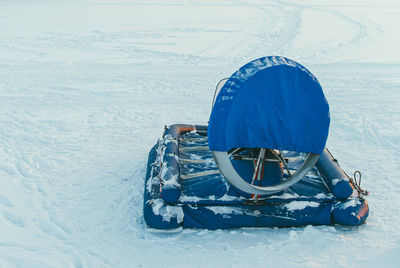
{"points": [[86, 88], [298, 205]]}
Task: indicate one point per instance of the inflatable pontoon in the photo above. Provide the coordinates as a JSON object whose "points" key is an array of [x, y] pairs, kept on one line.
{"points": [[260, 162]]}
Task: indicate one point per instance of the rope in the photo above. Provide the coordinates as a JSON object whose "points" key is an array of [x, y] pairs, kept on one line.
{"points": [[356, 183]]}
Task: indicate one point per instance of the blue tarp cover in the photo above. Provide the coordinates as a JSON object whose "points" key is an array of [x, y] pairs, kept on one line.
{"points": [[271, 102]]}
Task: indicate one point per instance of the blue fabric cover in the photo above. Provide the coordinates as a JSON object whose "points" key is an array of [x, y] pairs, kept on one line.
{"points": [[212, 217], [271, 102]]}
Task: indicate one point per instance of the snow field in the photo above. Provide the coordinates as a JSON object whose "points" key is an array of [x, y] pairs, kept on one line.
{"points": [[86, 88]]}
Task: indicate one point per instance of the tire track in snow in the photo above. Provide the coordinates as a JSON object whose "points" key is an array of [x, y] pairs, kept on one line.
{"points": [[365, 29], [278, 30], [26, 170]]}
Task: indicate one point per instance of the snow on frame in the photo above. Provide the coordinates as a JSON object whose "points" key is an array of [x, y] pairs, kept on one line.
{"points": [[299, 205]]}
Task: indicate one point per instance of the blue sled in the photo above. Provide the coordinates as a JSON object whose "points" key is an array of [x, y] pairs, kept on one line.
{"points": [[184, 187]]}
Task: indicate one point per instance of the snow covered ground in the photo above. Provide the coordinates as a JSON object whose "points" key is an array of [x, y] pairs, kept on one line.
{"points": [[86, 88]]}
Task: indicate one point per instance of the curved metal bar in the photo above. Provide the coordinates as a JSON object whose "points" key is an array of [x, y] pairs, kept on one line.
{"points": [[220, 84], [228, 171]]}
